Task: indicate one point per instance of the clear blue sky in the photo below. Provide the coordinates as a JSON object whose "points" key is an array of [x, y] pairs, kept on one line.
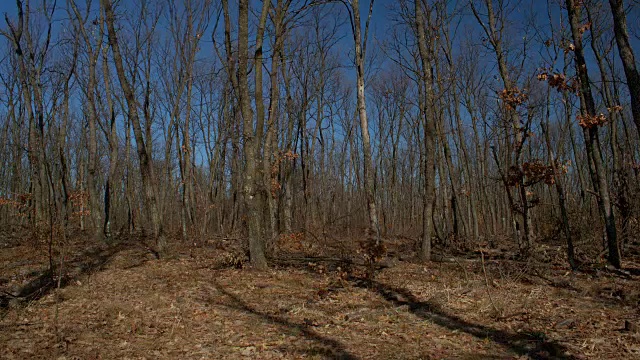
{"points": [[520, 13]]}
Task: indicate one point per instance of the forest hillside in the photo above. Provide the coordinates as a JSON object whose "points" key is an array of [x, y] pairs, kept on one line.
{"points": [[350, 179]]}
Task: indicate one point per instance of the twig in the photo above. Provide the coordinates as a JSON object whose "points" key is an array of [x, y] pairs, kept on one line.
{"points": [[466, 276], [486, 281], [8, 294]]}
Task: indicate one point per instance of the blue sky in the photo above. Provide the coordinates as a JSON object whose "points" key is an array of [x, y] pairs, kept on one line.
{"points": [[518, 18], [521, 12]]}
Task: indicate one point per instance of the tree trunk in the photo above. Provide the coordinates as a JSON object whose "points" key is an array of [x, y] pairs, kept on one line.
{"points": [[254, 206], [146, 166], [592, 141], [627, 57], [428, 119], [360, 49]]}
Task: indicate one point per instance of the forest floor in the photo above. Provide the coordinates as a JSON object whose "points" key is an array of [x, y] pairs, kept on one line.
{"points": [[120, 302]]}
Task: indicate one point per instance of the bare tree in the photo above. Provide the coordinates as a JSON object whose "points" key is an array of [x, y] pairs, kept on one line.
{"points": [[427, 116], [627, 57], [590, 121], [93, 51], [360, 44], [32, 58], [146, 167]]}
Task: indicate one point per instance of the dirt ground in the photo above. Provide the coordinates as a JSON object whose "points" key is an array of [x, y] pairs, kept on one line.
{"points": [[119, 302]]}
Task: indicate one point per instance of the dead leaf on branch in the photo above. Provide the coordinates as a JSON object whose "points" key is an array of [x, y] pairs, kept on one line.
{"points": [[513, 97], [591, 121]]}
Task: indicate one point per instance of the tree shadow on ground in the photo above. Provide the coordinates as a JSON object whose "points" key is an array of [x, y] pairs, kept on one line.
{"points": [[87, 262], [612, 287], [532, 345], [326, 347]]}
